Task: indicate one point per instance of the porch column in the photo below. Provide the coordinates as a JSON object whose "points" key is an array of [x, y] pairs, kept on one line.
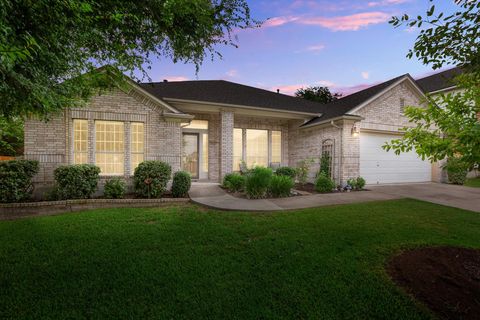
{"points": [[226, 142]]}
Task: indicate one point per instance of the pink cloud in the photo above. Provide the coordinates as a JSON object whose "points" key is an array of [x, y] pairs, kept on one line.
{"points": [[176, 78], [345, 91], [278, 21], [340, 23], [288, 89], [347, 23], [386, 3]]}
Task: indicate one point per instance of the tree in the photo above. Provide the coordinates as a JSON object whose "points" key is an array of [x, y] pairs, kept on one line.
{"points": [[11, 136], [448, 125], [43, 43], [317, 94]]}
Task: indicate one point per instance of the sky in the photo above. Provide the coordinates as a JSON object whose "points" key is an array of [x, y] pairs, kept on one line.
{"points": [[344, 45]]}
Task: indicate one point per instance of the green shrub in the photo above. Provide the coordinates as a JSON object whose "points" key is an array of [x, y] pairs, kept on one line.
{"points": [[181, 184], [360, 183], [280, 186], [115, 188], [303, 167], [258, 181], [151, 177], [234, 182], [457, 171], [77, 181], [325, 163], [16, 179], [287, 171], [352, 183], [324, 184]]}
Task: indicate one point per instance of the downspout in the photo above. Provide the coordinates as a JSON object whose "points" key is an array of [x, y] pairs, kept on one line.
{"points": [[341, 151]]}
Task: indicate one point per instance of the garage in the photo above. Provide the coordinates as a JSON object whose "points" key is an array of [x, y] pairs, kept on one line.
{"points": [[378, 166]]}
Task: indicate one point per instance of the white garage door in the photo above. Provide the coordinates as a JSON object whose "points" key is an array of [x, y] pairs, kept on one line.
{"points": [[378, 166]]}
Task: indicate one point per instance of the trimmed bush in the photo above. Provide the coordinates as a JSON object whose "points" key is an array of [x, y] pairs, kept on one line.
{"points": [[77, 181], [324, 184], [286, 171], [151, 177], [360, 183], [457, 171], [258, 181], [16, 179], [115, 188], [181, 184], [234, 182], [280, 186]]}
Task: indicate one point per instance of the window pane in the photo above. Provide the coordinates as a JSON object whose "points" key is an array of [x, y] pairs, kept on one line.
{"points": [[276, 146], [237, 148], [80, 141], [109, 153], [257, 148], [137, 146], [205, 152], [198, 124]]}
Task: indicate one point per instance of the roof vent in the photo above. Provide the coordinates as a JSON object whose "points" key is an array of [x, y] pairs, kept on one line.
{"points": [[165, 80], [278, 90]]}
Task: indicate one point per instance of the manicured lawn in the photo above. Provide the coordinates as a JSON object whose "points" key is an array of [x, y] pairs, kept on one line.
{"points": [[188, 262], [473, 182]]}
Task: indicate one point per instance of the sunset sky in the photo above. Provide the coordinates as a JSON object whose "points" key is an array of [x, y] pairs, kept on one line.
{"points": [[345, 45]]}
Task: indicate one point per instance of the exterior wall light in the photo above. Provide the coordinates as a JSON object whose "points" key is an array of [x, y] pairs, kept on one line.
{"points": [[355, 130]]}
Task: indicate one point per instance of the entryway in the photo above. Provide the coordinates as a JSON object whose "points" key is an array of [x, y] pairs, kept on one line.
{"points": [[195, 149]]}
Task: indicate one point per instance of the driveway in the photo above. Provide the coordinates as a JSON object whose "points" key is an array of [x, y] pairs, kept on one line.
{"points": [[449, 195]]}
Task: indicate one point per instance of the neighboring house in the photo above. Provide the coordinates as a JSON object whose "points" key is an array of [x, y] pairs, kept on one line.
{"points": [[209, 127]]}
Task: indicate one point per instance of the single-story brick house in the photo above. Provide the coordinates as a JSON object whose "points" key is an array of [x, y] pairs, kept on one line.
{"points": [[209, 127]]}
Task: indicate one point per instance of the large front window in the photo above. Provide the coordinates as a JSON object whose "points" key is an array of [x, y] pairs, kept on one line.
{"points": [[80, 141], [257, 148], [109, 147], [137, 144], [276, 147], [237, 148]]}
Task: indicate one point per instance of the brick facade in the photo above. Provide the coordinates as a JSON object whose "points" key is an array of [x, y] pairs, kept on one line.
{"points": [[51, 142]]}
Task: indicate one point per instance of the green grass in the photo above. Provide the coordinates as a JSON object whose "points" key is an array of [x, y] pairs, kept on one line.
{"points": [[188, 262], [473, 182]]}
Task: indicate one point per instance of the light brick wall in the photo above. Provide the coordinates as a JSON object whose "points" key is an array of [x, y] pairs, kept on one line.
{"points": [[51, 142], [385, 114], [307, 143]]}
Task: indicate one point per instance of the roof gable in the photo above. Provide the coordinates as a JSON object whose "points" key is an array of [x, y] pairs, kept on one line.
{"points": [[355, 101]]}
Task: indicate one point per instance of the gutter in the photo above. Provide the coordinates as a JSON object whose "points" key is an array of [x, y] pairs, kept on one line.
{"points": [[331, 120]]}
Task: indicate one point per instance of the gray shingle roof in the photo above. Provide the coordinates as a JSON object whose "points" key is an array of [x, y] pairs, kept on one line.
{"points": [[439, 81], [225, 92], [344, 105]]}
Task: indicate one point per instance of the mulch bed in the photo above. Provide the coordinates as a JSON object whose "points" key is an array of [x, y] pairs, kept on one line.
{"points": [[446, 279]]}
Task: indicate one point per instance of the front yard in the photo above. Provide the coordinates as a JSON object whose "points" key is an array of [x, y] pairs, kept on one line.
{"points": [[189, 262]]}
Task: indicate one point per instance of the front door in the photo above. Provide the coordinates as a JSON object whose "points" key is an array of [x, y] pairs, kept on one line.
{"points": [[190, 154]]}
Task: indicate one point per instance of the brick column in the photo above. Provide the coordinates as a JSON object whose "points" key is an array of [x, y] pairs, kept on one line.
{"points": [[350, 153], [226, 142]]}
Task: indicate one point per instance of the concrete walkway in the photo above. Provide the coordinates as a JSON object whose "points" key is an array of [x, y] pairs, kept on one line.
{"points": [[211, 195], [467, 198]]}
